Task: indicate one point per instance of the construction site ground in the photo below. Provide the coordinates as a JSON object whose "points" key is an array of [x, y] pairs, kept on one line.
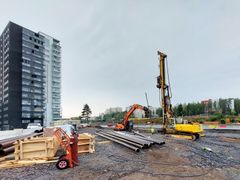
{"points": [[216, 156]]}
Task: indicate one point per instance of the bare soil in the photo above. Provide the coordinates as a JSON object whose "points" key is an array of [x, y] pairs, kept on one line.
{"points": [[177, 159]]}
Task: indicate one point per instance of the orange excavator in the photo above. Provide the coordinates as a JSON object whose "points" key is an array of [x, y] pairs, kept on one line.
{"points": [[127, 125]]}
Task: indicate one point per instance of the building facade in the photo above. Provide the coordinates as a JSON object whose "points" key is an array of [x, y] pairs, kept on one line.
{"points": [[52, 59], [113, 110], [30, 78]]}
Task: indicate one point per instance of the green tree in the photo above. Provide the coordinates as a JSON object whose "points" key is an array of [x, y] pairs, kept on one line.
{"points": [[86, 112], [209, 107], [159, 112], [237, 106], [180, 110], [224, 106], [215, 108]]}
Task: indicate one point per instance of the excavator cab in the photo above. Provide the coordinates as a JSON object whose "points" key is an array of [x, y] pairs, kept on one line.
{"points": [[129, 126]]}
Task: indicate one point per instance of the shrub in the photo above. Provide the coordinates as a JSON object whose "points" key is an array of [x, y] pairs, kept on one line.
{"points": [[223, 121]]}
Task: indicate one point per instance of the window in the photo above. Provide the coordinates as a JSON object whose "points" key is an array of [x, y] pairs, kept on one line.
{"points": [[25, 82], [37, 91], [26, 70], [6, 95], [26, 102], [26, 121], [26, 108], [26, 115], [37, 121]]}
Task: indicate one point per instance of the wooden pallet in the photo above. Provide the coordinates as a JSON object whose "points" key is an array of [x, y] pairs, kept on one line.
{"points": [[22, 163], [36, 148], [86, 143]]}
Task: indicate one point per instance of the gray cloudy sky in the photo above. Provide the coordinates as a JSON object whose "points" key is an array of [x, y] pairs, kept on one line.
{"points": [[109, 48]]}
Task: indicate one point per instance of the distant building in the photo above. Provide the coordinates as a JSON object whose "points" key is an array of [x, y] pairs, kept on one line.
{"points": [[215, 107], [138, 113], [113, 110], [206, 102], [153, 111], [30, 78]]}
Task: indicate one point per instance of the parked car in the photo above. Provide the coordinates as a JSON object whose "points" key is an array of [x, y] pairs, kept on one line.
{"points": [[35, 127]]}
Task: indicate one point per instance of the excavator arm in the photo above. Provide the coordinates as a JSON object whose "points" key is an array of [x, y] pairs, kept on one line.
{"points": [[124, 125]]}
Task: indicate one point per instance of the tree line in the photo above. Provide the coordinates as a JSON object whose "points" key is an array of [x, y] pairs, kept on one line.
{"points": [[229, 106], [220, 106]]}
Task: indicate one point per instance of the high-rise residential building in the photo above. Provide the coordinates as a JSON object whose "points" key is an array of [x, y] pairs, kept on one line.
{"points": [[52, 58], [30, 77]]}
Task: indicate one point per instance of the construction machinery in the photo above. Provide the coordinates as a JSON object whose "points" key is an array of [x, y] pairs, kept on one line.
{"points": [[170, 126], [69, 156], [127, 125]]}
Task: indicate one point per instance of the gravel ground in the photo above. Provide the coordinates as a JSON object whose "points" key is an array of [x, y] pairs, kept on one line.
{"points": [[177, 159]]}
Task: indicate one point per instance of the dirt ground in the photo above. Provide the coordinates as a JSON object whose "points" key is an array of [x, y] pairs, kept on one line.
{"points": [[177, 159]]}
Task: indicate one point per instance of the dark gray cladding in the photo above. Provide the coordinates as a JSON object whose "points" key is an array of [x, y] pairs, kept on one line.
{"points": [[22, 77], [11, 68], [15, 76]]}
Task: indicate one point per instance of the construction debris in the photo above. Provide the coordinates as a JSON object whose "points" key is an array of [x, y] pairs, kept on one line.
{"points": [[130, 140]]}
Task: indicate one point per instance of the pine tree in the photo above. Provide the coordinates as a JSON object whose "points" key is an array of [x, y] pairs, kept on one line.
{"points": [[86, 112]]}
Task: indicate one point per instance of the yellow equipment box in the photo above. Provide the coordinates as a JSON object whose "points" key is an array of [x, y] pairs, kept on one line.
{"points": [[190, 128]]}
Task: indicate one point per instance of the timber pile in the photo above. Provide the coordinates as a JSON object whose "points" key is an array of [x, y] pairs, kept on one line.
{"points": [[132, 141], [36, 148], [86, 143]]}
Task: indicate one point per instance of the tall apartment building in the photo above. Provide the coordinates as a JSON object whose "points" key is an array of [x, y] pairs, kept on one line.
{"points": [[30, 77]]}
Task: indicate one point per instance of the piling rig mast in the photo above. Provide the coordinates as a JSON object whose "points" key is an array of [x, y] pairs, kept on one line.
{"points": [[194, 131]]}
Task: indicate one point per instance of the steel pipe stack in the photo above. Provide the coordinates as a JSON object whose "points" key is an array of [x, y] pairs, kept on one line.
{"points": [[132, 141], [7, 145]]}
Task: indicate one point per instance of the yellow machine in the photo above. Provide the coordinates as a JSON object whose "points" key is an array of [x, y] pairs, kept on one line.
{"points": [[188, 131]]}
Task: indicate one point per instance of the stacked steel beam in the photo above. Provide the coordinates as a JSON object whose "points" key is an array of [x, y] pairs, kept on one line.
{"points": [[132, 141], [7, 145]]}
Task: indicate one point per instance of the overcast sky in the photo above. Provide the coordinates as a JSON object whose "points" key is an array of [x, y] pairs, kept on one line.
{"points": [[109, 48]]}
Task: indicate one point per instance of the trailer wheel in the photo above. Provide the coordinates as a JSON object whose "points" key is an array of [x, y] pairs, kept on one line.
{"points": [[62, 164], [193, 137]]}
